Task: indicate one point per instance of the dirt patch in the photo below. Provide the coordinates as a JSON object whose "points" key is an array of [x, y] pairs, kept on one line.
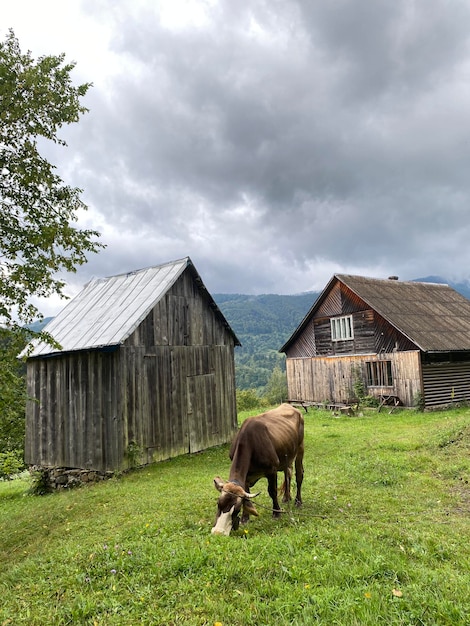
{"points": [[462, 491]]}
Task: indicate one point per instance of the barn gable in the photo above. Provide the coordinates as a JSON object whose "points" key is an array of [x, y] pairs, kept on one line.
{"points": [[409, 326], [109, 310], [147, 361]]}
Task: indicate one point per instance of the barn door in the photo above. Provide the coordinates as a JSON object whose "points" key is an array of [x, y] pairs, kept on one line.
{"points": [[201, 403], [156, 416]]}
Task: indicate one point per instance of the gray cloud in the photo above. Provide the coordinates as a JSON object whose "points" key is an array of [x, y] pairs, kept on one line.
{"points": [[278, 142]]}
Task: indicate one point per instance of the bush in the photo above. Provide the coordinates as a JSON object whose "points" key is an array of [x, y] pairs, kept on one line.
{"points": [[40, 483], [370, 401], [247, 399], [11, 463], [358, 386], [418, 402], [276, 389], [134, 454]]}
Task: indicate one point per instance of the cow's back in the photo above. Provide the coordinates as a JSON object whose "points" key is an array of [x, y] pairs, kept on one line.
{"points": [[280, 430], [285, 425]]}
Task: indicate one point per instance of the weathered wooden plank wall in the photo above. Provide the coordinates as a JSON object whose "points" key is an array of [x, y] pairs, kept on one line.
{"points": [[322, 379], [445, 383], [169, 388], [73, 411], [184, 402]]}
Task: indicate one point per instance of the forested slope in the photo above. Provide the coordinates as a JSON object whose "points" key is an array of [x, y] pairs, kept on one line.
{"points": [[262, 324]]}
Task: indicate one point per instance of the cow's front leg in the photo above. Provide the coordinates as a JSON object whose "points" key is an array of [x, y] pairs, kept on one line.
{"points": [[272, 490], [248, 508], [245, 515]]}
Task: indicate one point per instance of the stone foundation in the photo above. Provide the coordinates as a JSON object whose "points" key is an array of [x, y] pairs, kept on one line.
{"points": [[66, 478]]}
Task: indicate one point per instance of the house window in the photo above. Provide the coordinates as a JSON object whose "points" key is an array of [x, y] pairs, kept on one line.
{"points": [[379, 373], [341, 328]]}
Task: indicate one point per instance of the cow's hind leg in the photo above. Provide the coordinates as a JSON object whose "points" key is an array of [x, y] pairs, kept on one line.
{"points": [[285, 487], [299, 475], [272, 490]]}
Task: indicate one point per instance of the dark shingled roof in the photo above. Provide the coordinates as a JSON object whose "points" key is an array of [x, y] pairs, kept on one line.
{"points": [[433, 316]]}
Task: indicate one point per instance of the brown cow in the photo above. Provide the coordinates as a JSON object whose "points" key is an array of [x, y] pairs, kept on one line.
{"points": [[265, 445]]}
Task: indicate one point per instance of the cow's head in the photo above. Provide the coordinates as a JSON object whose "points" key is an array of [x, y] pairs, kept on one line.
{"points": [[233, 498]]}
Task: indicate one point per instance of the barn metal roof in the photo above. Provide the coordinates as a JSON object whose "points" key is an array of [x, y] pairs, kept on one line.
{"points": [[433, 316], [108, 310]]}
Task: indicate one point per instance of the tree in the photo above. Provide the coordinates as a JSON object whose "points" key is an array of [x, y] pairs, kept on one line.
{"points": [[39, 236], [12, 395], [38, 211], [276, 389]]}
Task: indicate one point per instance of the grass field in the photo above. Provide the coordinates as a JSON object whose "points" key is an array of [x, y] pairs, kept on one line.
{"points": [[382, 538]]}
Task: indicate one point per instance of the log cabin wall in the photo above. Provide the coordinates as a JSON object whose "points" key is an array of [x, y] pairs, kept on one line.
{"points": [[446, 383], [372, 334]]}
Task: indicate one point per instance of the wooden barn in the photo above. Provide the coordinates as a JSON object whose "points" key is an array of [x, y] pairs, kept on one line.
{"points": [[403, 341], [146, 369]]}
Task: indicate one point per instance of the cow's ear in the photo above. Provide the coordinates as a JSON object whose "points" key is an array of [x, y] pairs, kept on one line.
{"points": [[249, 508], [219, 483]]}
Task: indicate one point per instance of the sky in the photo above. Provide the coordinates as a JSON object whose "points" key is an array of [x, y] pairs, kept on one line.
{"points": [[274, 142]]}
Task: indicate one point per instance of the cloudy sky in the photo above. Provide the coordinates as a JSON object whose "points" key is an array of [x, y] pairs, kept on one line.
{"points": [[275, 142]]}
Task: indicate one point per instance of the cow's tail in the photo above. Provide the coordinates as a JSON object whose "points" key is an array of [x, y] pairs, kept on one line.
{"points": [[284, 489]]}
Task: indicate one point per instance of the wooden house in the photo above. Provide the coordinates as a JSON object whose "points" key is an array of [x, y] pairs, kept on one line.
{"points": [[403, 341], [146, 368]]}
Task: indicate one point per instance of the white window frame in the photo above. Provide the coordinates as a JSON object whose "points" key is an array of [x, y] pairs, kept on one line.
{"points": [[342, 328]]}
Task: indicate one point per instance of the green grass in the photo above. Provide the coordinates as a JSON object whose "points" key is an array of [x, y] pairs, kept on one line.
{"points": [[382, 538]]}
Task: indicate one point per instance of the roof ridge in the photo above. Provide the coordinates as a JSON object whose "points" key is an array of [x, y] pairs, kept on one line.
{"points": [[144, 269]]}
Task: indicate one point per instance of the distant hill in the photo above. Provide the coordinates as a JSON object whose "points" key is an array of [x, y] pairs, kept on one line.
{"points": [[262, 324], [266, 313], [39, 325]]}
